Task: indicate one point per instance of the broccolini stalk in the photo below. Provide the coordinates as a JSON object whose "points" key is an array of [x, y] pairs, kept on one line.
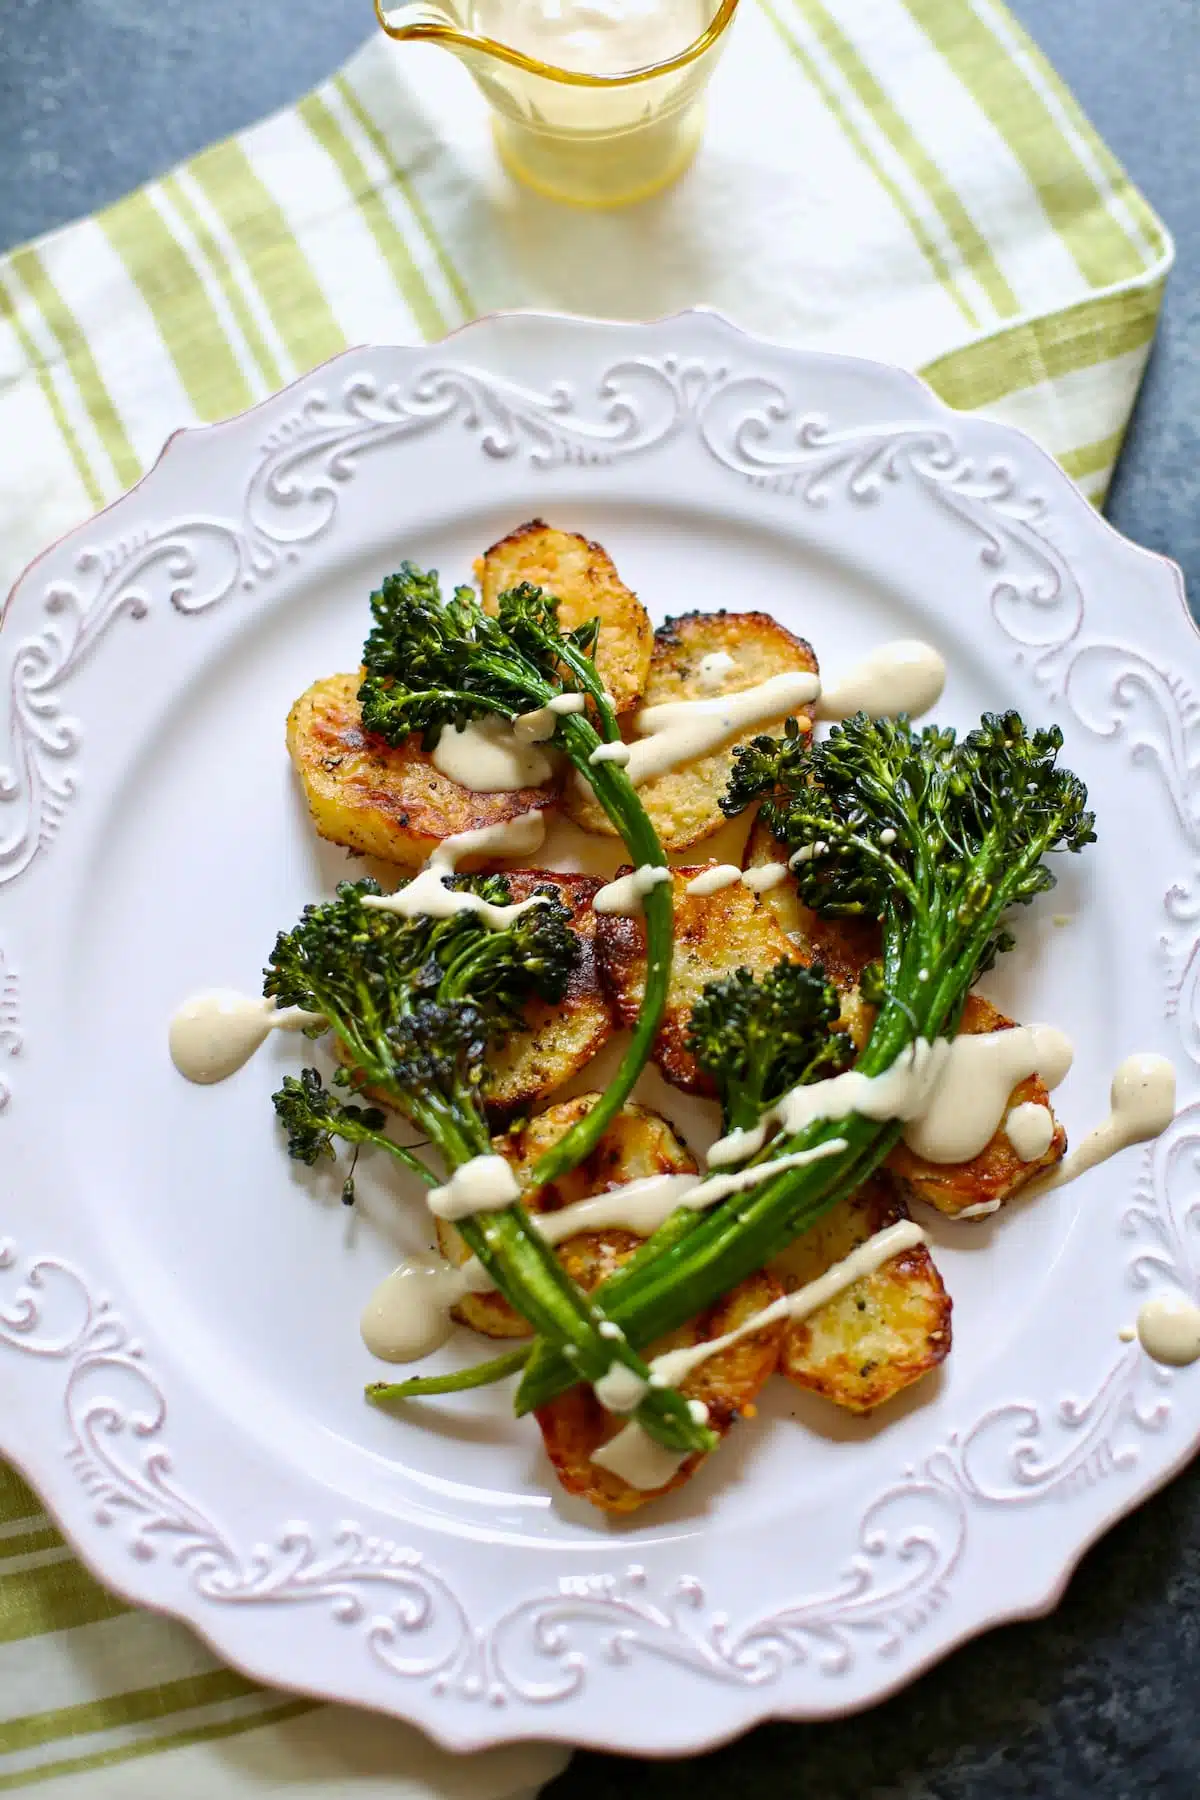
{"points": [[432, 663], [417, 1003], [936, 838]]}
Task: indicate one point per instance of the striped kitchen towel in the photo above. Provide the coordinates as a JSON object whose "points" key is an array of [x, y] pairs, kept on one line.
{"points": [[907, 179]]}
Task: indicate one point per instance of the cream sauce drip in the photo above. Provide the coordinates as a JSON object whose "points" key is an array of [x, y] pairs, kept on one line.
{"points": [[713, 669], [638, 1459], [538, 726], [213, 1034], [679, 731], [901, 1092], [642, 1206], [427, 895], [1142, 1105], [620, 1390], [1029, 1128], [616, 752], [408, 1315], [674, 1366], [487, 756], [972, 1094], [726, 875], [624, 896], [711, 881], [485, 1184], [1169, 1330], [906, 676]]}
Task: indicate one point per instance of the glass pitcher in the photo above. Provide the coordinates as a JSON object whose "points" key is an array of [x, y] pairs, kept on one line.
{"points": [[598, 102]]}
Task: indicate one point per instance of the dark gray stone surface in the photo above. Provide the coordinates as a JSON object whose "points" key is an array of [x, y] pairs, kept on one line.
{"points": [[1099, 1701]]}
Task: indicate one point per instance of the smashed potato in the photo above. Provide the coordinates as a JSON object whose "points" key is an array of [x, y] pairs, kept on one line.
{"points": [[585, 582], [685, 804], [559, 1036], [575, 1425], [878, 1336], [845, 946], [714, 935], [638, 1143], [997, 1173], [379, 800]]}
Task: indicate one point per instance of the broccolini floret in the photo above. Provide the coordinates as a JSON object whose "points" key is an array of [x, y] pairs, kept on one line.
{"points": [[757, 1038], [416, 1004]]}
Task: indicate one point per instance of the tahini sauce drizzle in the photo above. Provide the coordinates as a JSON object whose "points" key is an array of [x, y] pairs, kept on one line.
{"points": [[427, 894], [679, 731], [901, 1092], [725, 875], [638, 1459], [1169, 1330], [906, 676], [713, 669], [485, 1184], [408, 1315], [972, 1093], [637, 1206], [623, 897], [539, 725], [213, 1034], [1029, 1128], [1142, 1105], [674, 1366], [489, 756]]}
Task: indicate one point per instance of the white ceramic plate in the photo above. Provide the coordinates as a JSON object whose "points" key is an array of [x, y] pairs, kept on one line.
{"points": [[180, 1362]]}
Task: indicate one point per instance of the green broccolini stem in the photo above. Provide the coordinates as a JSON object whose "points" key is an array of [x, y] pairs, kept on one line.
{"points": [[526, 1271], [695, 1258], [620, 800], [459, 1381]]}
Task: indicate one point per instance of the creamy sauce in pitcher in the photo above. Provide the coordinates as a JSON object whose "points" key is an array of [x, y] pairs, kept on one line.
{"points": [[600, 37]]}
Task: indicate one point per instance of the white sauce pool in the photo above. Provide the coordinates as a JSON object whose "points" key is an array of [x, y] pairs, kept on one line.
{"points": [[213, 1034], [624, 896], [485, 1184], [488, 756], [1029, 1128], [971, 1097], [638, 1459], [1169, 1330], [906, 676], [679, 731], [1142, 1105]]}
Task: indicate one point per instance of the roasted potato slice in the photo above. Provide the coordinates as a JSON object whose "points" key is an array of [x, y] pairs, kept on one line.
{"points": [[714, 934], [560, 1037], [380, 801], [584, 579], [997, 1173], [685, 804], [845, 946], [880, 1335], [575, 1425], [637, 1144]]}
